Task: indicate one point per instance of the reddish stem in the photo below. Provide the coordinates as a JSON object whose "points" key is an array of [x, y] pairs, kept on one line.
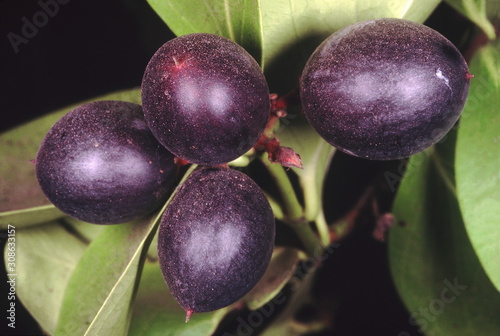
{"points": [[268, 142]]}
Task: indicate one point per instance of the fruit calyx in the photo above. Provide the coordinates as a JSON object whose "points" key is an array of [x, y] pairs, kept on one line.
{"points": [[269, 143]]}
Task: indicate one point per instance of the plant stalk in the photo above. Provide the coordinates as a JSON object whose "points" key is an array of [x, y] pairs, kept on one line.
{"points": [[294, 212]]}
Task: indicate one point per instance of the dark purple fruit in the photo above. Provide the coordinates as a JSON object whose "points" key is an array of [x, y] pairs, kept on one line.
{"points": [[101, 164], [216, 239], [205, 98], [384, 89]]}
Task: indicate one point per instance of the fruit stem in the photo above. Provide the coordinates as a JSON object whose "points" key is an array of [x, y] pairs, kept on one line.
{"points": [[293, 208], [323, 229], [311, 243], [289, 99], [294, 212]]}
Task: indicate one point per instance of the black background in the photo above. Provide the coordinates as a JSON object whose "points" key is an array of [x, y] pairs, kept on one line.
{"points": [[93, 47], [88, 48]]}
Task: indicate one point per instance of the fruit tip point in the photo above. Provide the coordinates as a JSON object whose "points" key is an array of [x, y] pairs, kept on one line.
{"points": [[189, 313]]}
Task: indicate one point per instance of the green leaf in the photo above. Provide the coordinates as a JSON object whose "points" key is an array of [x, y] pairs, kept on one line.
{"points": [[281, 269], [433, 264], [238, 20], [156, 313], [100, 293], [45, 257], [28, 217], [19, 186], [98, 298], [478, 160], [291, 30], [475, 10], [85, 231], [493, 11], [152, 252]]}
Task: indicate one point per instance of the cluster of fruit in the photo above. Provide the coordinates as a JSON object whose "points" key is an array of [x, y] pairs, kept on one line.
{"points": [[381, 89]]}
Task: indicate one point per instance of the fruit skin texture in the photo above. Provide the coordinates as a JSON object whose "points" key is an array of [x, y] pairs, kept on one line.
{"points": [[205, 98], [215, 239], [384, 89], [100, 164]]}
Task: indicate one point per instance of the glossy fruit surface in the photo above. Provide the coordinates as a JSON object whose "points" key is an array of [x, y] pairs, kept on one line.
{"points": [[215, 239], [101, 164], [205, 98], [384, 89]]}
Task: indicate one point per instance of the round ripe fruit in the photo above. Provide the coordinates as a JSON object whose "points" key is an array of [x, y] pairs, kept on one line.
{"points": [[205, 98], [215, 239], [101, 164], [384, 89]]}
